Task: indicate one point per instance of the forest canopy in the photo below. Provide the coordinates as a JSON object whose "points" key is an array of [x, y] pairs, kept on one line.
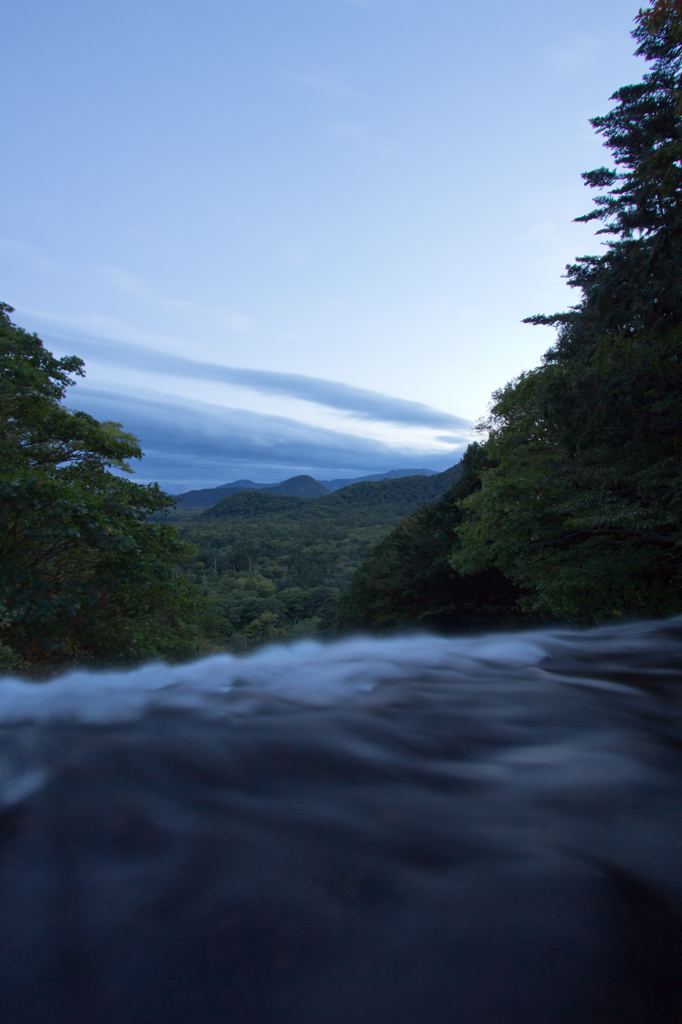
{"points": [[273, 567]]}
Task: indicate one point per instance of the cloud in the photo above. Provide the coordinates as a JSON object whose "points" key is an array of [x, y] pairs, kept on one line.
{"points": [[106, 328], [189, 443], [20, 251], [359, 402], [121, 280]]}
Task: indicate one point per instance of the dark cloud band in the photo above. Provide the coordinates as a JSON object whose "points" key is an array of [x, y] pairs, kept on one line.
{"points": [[189, 443], [360, 402]]}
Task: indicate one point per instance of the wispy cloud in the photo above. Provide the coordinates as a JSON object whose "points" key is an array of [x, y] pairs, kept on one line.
{"points": [[108, 329], [24, 252], [359, 402], [127, 283], [122, 280], [112, 330], [189, 443]]}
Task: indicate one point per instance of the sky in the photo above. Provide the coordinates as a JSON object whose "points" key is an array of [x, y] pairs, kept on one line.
{"points": [[299, 236]]}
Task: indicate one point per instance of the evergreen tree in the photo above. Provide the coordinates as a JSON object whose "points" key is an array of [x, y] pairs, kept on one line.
{"points": [[635, 287], [578, 505], [582, 503]]}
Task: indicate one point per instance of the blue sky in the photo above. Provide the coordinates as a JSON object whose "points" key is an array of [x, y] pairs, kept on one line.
{"points": [[298, 236]]}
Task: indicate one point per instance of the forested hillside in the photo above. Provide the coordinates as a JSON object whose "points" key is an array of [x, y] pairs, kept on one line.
{"points": [[407, 580], [273, 567], [571, 507], [205, 497]]}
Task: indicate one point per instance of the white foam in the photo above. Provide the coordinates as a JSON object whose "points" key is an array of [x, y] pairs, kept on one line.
{"points": [[309, 672]]}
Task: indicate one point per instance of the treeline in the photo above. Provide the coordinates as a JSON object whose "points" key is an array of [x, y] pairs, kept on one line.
{"points": [[570, 506]]}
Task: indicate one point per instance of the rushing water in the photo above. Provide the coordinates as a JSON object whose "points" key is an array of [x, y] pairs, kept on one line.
{"points": [[406, 831]]}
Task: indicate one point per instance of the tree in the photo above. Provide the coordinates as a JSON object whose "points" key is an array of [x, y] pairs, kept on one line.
{"points": [[576, 503], [83, 574], [635, 287], [581, 503], [408, 579]]}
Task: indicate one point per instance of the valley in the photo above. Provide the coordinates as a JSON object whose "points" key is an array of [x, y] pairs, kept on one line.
{"points": [[273, 566]]}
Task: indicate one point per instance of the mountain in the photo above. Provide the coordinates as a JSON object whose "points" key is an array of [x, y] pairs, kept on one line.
{"points": [[368, 501], [205, 497], [393, 474], [299, 487], [253, 505], [273, 566]]}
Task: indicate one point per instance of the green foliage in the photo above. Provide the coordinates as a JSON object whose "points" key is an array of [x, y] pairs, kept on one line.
{"points": [[578, 500], [273, 567], [83, 575], [635, 288], [407, 580], [10, 661], [358, 504], [582, 500]]}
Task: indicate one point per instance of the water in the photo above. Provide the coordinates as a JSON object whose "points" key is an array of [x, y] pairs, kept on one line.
{"points": [[417, 830]]}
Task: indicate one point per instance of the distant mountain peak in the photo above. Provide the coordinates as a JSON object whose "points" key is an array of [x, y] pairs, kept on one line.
{"points": [[299, 487], [302, 486]]}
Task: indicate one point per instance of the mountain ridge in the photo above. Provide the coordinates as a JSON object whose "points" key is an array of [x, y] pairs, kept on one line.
{"points": [[206, 497], [273, 566], [398, 496]]}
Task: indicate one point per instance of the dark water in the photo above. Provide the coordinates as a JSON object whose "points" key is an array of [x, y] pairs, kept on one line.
{"points": [[413, 831]]}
